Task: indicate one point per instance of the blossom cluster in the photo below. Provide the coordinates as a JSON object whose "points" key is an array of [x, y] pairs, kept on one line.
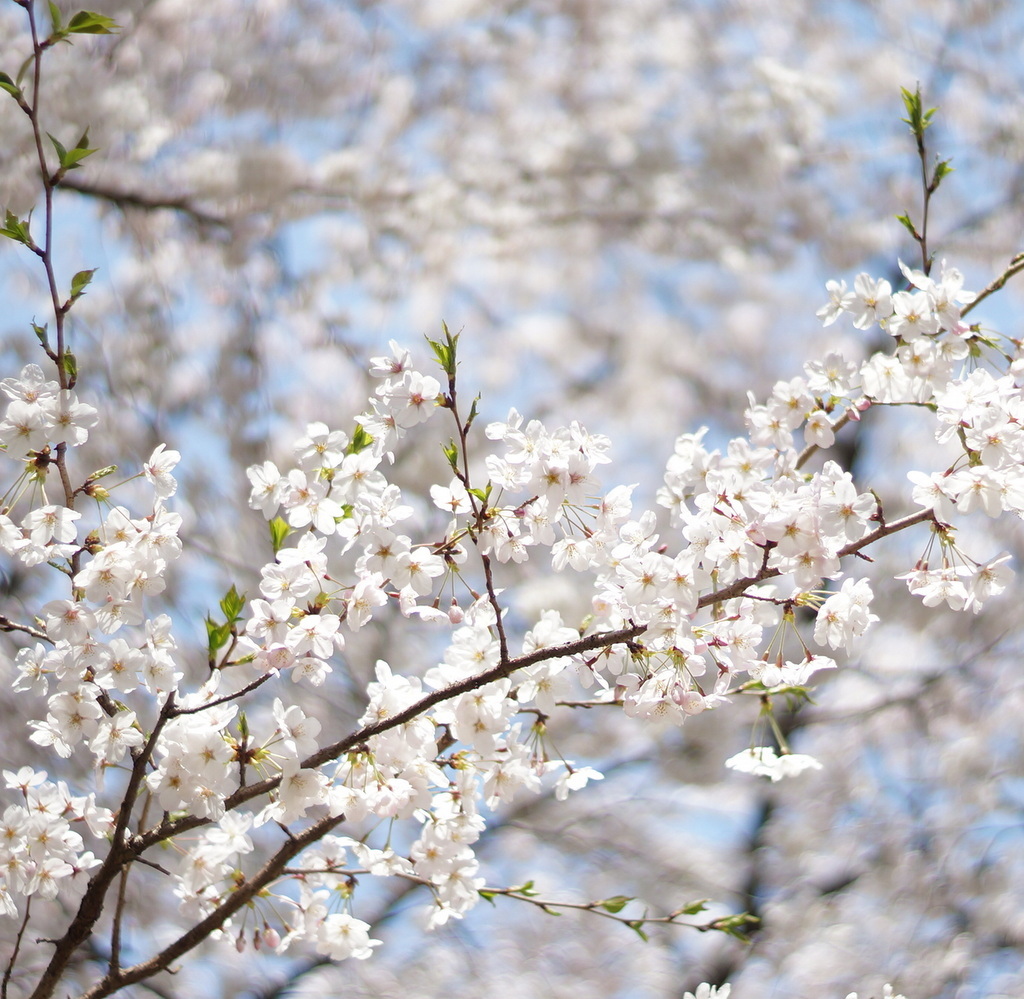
{"points": [[751, 536], [40, 853], [977, 409]]}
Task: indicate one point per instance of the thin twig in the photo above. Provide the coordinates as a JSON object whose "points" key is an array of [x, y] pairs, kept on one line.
{"points": [[604, 909], [1015, 266], [9, 970], [6, 624]]}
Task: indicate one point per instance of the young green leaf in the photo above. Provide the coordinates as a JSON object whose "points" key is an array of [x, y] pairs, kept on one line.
{"points": [[451, 452], [473, 410], [217, 635], [360, 440], [736, 926], [233, 604], [637, 926], [80, 282], [279, 530], [70, 158], [692, 908], [61, 151], [69, 363], [16, 229], [87, 22], [904, 220], [6, 83], [40, 332], [445, 352], [616, 903], [75, 156], [942, 169]]}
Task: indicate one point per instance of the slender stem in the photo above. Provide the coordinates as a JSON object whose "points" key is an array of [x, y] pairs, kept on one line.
{"points": [[227, 698], [480, 514], [922, 237], [599, 909], [6, 624], [45, 252], [44, 172], [9, 970], [1015, 266], [115, 930]]}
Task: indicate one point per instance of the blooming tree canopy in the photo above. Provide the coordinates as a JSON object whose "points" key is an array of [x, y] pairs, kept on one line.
{"points": [[439, 621]]}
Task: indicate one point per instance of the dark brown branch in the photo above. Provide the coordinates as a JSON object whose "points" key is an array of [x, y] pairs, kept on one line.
{"points": [[135, 199], [328, 753], [244, 894], [121, 849]]}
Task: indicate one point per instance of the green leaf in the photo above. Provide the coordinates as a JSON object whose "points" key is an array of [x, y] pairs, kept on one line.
{"points": [[637, 926], [942, 169], [70, 158], [69, 363], [736, 926], [904, 220], [6, 83], [217, 635], [440, 353], [472, 413], [279, 530], [912, 105], [481, 494], [40, 332], [61, 151], [55, 18], [451, 452], [917, 118], [360, 440], [616, 903], [16, 229], [80, 282], [445, 352], [75, 156], [86, 22], [692, 908], [233, 604], [487, 895]]}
